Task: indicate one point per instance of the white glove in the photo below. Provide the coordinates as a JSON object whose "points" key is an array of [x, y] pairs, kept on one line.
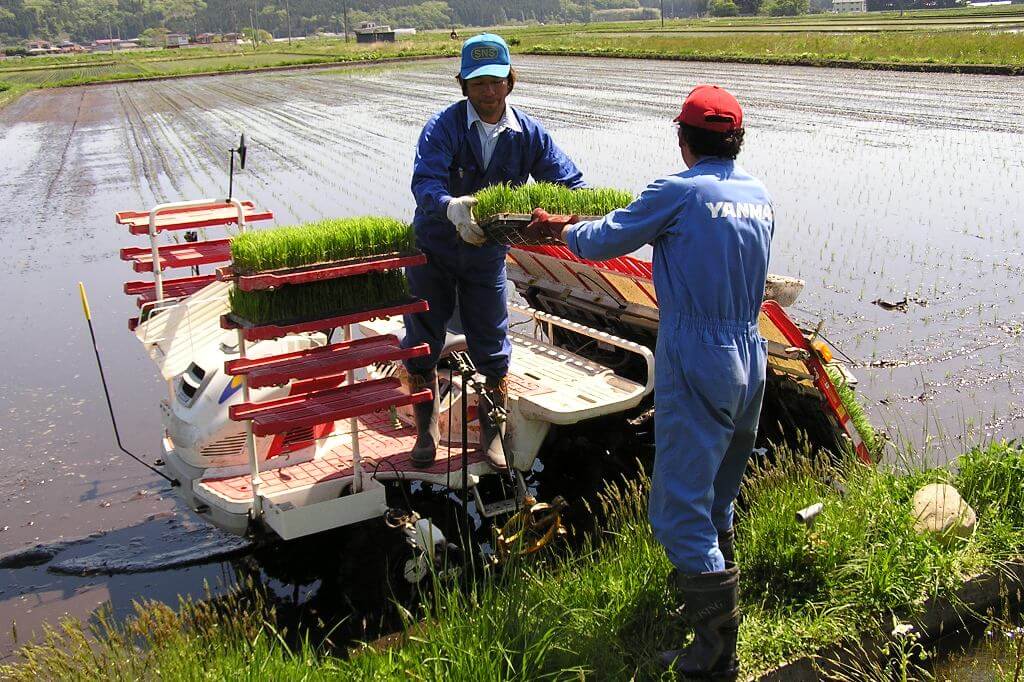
{"points": [[460, 212]]}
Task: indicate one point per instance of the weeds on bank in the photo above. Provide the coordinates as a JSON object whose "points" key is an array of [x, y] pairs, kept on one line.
{"points": [[602, 609], [553, 198], [319, 242]]}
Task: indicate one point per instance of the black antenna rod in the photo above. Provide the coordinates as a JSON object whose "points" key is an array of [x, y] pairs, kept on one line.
{"points": [[240, 150]]}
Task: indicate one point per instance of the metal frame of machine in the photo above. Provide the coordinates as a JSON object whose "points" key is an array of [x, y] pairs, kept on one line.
{"points": [[275, 428]]}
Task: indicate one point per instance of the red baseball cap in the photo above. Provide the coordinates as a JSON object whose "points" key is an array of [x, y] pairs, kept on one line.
{"points": [[712, 108]]}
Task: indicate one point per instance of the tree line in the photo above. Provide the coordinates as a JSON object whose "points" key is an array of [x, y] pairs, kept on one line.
{"points": [[86, 20]]}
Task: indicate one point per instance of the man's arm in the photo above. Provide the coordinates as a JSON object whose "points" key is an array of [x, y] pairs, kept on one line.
{"points": [[551, 164], [434, 153], [627, 229]]}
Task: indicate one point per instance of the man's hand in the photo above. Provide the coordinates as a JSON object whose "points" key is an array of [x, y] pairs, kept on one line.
{"points": [[460, 212], [546, 228]]}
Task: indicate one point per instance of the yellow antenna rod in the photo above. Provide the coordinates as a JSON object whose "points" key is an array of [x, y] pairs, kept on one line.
{"points": [[85, 301]]}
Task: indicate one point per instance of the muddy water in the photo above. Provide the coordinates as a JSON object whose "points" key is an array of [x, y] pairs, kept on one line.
{"points": [[888, 186]]}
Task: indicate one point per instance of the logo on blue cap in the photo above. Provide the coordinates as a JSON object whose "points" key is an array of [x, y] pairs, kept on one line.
{"points": [[485, 55]]}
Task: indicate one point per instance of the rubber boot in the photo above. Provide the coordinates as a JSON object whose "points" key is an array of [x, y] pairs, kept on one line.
{"points": [[712, 610], [726, 545], [427, 433], [491, 433]]}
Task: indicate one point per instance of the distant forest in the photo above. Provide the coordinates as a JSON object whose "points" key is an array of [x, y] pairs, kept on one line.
{"points": [[86, 20]]}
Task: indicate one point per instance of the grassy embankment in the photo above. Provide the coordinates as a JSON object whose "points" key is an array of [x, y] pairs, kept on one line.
{"points": [[949, 40], [602, 609]]}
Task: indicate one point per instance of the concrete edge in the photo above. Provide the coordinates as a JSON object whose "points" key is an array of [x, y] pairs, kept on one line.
{"points": [[979, 597]]}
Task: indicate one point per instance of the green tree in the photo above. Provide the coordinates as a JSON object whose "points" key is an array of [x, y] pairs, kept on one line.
{"points": [[723, 8], [262, 37], [154, 37], [786, 8]]}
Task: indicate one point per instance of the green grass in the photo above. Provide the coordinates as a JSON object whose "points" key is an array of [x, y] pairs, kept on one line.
{"points": [[555, 199], [320, 242], [329, 298], [860, 419], [600, 611], [941, 50]]}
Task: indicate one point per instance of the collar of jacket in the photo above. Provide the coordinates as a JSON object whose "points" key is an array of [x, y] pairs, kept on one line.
{"points": [[515, 127]]}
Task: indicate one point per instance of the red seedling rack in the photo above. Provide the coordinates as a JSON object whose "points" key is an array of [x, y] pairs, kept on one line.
{"points": [[183, 215], [272, 279], [325, 361], [320, 407], [310, 403], [187, 255], [173, 288], [191, 215], [275, 330]]}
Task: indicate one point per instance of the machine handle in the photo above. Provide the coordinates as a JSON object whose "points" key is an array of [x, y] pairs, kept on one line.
{"points": [[596, 334]]}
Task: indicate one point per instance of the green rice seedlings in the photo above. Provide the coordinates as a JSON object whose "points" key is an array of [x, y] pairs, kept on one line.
{"points": [[554, 199], [328, 298], [860, 419], [319, 242]]}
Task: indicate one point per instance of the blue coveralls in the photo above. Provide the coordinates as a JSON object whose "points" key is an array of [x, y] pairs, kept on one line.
{"points": [[711, 228], [448, 164]]}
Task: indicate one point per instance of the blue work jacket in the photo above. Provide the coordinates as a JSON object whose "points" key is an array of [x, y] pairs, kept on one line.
{"points": [[449, 164], [711, 227]]}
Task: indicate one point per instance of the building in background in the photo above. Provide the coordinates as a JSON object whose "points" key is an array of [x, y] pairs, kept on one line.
{"points": [[371, 32], [850, 5], [173, 40]]}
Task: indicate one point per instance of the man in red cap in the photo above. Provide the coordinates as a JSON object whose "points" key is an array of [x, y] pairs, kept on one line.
{"points": [[711, 228]]}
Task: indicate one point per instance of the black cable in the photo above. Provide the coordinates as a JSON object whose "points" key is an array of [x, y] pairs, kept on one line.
{"points": [[401, 480], [840, 350], [464, 371], [110, 407]]}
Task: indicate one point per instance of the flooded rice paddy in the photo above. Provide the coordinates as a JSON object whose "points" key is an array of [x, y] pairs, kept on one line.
{"points": [[905, 189]]}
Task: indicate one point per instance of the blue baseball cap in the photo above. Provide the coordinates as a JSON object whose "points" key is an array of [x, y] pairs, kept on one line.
{"points": [[485, 55]]}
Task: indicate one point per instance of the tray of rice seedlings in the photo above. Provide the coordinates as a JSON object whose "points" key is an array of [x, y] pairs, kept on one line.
{"points": [[326, 300], [503, 211], [319, 251]]}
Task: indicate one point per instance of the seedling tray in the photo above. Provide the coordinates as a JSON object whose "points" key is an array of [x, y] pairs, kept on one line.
{"points": [[189, 254], [191, 217], [271, 279], [322, 407], [277, 329], [507, 228], [322, 362]]}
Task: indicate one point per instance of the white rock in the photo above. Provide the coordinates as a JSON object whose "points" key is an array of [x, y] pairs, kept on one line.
{"points": [[940, 511]]}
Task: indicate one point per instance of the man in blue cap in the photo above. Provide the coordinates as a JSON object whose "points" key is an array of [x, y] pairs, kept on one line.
{"points": [[711, 227], [476, 142]]}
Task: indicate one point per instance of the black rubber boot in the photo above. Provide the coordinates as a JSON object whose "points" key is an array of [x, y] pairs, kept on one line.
{"points": [[713, 612], [427, 433], [726, 545], [491, 433]]}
